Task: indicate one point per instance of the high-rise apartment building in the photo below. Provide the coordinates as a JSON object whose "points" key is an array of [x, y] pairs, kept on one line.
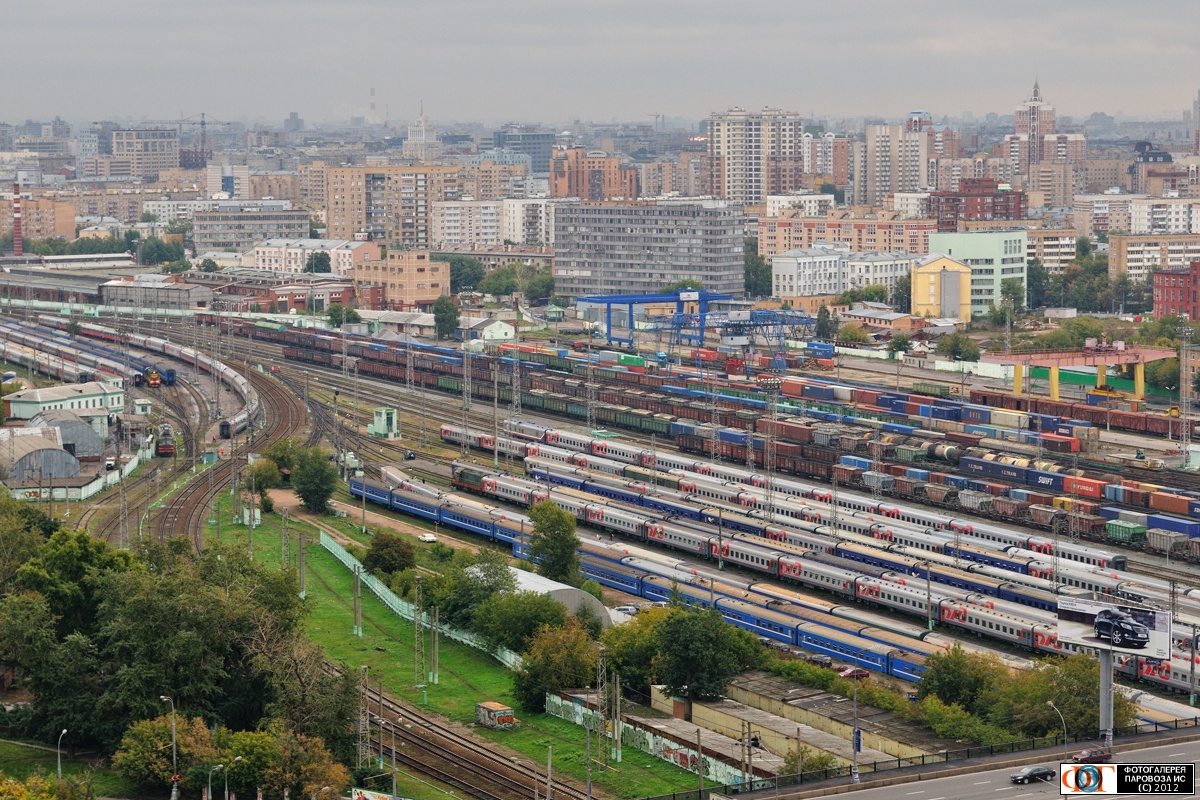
{"points": [[1139, 255], [826, 156], [894, 161], [754, 154], [392, 204], [229, 179], [147, 150], [528, 220], [312, 184], [591, 175], [634, 247], [1035, 119], [466, 223], [422, 143], [488, 180], [1102, 213], [411, 279]]}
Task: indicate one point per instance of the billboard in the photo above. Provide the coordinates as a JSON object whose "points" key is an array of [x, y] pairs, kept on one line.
{"points": [[1144, 632]]}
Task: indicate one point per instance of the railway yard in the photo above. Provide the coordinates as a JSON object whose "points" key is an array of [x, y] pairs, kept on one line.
{"points": [[828, 517]]}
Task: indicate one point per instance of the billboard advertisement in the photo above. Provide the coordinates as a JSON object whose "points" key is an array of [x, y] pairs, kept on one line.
{"points": [[1144, 632]]}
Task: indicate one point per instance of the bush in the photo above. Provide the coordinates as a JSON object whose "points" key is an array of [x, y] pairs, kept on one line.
{"points": [[389, 554]]}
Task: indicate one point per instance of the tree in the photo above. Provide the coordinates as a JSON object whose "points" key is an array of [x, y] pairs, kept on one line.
{"points": [[899, 343], [875, 293], [853, 333], [468, 583], [539, 286], [699, 652], [314, 478], [1037, 282], [284, 452], [464, 271], [340, 315], [632, 648], [389, 554], [970, 680], [445, 317], [1013, 289], [959, 346], [144, 755], [1083, 247], [553, 543], [558, 658], [318, 262], [839, 195], [148, 216], [902, 294], [826, 325], [682, 286], [208, 265], [303, 767], [512, 619], [63, 572], [264, 476], [757, 269]]}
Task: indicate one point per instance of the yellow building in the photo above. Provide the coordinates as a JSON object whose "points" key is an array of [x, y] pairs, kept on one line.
{"points": [[941, 287]]}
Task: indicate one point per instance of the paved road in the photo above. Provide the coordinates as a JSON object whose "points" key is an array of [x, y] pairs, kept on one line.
{"points": [[995, 783]]}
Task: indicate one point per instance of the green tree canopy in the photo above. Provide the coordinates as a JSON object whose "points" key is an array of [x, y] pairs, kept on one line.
{"points": [[553, 543], [682, 286], [899, 343], [284, 452], [468, 582], [632, 648], [1037, 283], [314, 478], [512, 619], [853, 333], [208, 265], [558, 658], [959, 346], [757, 269], [875, 293], [340, 315], [464, 271], [699, 652], [902, 294], [445, 317], [1013, 289], [388, 554], [318, 262], [826, 327]]}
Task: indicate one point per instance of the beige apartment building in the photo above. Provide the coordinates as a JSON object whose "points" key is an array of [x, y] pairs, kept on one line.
{"points": [[149, 150], [884, 232], [1138, 255], [41, 218], [312, 179], [392, 204], [276, 186], [410, 278], [488, 180]]}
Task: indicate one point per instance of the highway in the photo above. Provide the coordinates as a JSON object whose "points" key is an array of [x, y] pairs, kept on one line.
{"points": [[995, 783]]}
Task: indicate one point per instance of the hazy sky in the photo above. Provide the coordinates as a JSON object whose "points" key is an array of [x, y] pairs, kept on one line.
{"points": [[536, 60]]}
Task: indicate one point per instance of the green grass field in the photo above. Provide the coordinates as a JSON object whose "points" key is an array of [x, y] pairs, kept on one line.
{"points": [[20, 761], [466, 677]]}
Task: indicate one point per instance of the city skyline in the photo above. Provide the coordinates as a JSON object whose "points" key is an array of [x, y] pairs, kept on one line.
{"points": [[536, 60]]}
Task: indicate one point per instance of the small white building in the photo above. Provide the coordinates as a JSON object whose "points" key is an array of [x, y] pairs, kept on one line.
{"points": [[488, 330], [28, 403]]}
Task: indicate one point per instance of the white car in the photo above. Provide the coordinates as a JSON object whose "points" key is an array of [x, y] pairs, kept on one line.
{"points": [[426, 537]]}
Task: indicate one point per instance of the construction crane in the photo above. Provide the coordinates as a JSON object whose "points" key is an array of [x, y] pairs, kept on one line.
{"points": [[196, 158], [659, 121]]}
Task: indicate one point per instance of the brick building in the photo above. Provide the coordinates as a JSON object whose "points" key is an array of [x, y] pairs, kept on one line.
{"points": [[976, 199], [591, 175], [886, 232], [1177, 292]]}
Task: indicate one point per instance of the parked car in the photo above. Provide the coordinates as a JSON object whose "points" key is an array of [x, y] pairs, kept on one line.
{"points": [[1033, 773], [1120, 628], [1092, 755], [821, 660], [426, 537], [853, 673], [630, 610]]}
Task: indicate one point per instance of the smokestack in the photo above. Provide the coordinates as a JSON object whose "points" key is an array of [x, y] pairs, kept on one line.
{"points": [[18, 238]]}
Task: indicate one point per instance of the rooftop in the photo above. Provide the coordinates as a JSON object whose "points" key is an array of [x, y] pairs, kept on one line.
{"points": [[69, 391]]}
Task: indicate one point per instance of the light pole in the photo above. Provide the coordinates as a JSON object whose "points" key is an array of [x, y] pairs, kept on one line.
{"points": [[64, 733], [174, 763], [1064, 724], [855, 740], [239, 758], [210, 772], [322, 790]]}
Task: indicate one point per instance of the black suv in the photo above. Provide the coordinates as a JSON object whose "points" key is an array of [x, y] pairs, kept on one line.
{"points": [[1121, 629]]}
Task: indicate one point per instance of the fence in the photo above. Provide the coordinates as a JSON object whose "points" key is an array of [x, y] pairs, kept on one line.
{"points": [[756, 784], [405, 610]]}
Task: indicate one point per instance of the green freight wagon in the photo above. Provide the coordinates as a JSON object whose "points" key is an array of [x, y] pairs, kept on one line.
{"points": [[931, 389], [1118, 530]]}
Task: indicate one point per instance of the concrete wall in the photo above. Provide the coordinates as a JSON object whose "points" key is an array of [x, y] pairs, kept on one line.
{"points": [[870, 739]]}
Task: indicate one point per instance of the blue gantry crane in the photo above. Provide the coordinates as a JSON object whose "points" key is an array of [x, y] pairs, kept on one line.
{"points": [[695, 326]]}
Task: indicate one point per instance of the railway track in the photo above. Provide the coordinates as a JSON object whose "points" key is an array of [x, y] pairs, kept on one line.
{"points": [[435, 748], [284, 416]]}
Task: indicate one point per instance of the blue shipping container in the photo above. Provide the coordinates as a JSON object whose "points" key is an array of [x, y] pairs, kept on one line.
{"points": [[732, 435], [1177, 524], [1038, 479], [1108, 512], [981, 414]]}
